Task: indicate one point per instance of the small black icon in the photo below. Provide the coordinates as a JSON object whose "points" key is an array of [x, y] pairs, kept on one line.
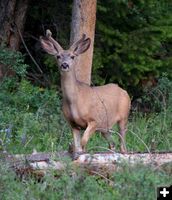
{"points": [[164, 193]]}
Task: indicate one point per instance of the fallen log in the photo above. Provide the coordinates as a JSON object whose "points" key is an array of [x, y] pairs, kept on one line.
{"points": [[105, 162]]}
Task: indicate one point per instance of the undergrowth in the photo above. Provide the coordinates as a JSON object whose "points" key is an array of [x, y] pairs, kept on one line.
{"points": [[130, 183], [31, 118]]}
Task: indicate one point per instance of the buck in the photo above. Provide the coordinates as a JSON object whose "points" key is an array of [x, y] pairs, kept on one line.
{"points": [[85, 107]]}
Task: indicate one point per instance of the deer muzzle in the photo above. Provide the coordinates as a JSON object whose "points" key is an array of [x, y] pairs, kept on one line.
{"points": [[64, 66]]}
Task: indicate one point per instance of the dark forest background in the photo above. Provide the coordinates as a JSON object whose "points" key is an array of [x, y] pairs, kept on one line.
{"points": [[133, 42]]}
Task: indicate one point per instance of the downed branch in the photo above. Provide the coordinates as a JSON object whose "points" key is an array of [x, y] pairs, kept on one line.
{"points": [[105, 163]]}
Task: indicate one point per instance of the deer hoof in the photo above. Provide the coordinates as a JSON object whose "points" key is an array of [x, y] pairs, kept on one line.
{"points": [[112, 146], [123, 151], [76, 155], [71, 148]]}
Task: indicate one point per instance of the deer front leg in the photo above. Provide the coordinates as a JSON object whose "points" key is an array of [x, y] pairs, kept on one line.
{"points": [[77, 140], [91, 128], [75, 149]]}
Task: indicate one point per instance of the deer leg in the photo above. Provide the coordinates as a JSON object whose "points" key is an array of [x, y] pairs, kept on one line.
{"points": [[108, 136], [77, 140], [76, 148], [91, 128], [122, 129]]}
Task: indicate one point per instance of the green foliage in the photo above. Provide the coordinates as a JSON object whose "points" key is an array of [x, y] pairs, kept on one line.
{"points": [[158, 98], [133, 40], [13, 61], [138, 182], [31, 118]]}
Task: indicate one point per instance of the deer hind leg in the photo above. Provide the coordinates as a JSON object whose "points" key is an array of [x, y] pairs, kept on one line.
{"points": [[91, 128], [108, 136], [123, 129]]}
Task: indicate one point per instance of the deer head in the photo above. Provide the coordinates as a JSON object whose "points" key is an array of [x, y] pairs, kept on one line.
{"points": [[65, 58]]}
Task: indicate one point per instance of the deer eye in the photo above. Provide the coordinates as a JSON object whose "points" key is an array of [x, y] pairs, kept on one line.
{"points": [[72, 57], [57, 56]]}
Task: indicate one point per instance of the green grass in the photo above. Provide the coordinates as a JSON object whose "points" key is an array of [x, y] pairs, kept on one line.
{"points": [[31, 118], [152, 132]]}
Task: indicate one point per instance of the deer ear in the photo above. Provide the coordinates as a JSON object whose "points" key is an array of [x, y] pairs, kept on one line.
{"points": [[48, 46], [82, 46]]}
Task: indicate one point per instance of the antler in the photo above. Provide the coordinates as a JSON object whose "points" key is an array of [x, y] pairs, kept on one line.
{"points": [[55, 43]]}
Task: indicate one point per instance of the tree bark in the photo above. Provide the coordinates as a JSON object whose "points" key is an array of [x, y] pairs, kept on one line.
{"points": [[83, 21], [12, 20]]}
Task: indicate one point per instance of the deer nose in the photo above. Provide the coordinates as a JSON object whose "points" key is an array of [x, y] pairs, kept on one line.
{"points": [[64, 65]]}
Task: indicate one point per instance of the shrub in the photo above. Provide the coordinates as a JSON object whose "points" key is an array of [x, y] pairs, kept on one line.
{"points": [[31, 117], [157, 98], [13, 61]]}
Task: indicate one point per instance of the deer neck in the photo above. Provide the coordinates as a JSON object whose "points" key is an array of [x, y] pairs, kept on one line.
{"points": [[69, 85]]}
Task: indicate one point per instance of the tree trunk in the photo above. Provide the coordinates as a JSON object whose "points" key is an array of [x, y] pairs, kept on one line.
{"points": [[12, 20], [83, 21]]}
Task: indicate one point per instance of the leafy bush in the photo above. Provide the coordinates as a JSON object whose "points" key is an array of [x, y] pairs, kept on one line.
{"points": [[157, 98], [13, 61], [31, 118]]}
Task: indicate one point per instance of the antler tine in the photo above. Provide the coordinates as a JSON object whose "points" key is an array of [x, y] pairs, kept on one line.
{"points": [[55, 43], [48, 33]]}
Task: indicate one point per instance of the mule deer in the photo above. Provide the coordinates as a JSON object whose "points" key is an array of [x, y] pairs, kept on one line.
{"points": [[85, 107]]}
